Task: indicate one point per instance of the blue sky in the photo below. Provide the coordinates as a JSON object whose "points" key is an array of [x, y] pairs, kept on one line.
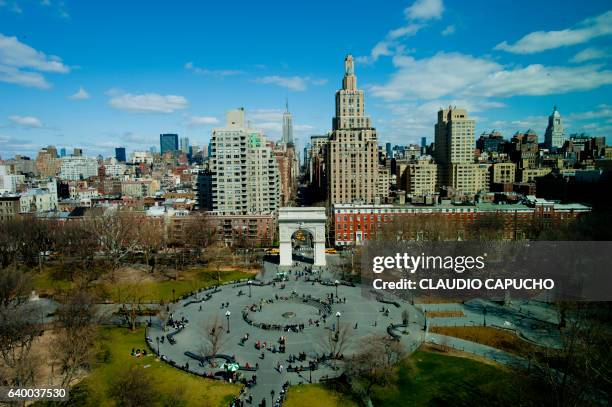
{"points": [[100, 74]]}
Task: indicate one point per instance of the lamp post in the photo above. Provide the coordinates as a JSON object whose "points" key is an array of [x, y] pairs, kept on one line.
{"points": [[227, 315], [250, 283], [311, 369], [425, 327], [336, 284], [338, 315], [484, 316], [157, 340]]}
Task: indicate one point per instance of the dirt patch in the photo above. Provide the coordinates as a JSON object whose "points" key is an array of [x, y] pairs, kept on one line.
{"points": [[131, 275], [445, 314], [45, 373]]}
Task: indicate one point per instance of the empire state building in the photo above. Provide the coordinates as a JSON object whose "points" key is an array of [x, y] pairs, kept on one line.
{"points": [[352, 150]]}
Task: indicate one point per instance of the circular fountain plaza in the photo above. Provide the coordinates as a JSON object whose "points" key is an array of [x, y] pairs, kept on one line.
{"points": [[281, 332], [281, 323]]}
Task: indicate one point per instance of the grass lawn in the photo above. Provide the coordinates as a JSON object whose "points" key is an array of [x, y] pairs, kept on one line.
{"points": [[115, 346], [315, 395], [45, 283], [435, 379], [497, 338], [189, 280]]}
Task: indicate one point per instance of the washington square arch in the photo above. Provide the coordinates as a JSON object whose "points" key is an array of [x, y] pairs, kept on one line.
{"points": [[295, 219]]}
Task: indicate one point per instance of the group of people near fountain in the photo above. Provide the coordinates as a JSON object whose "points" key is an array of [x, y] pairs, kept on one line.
{"points": [[282, 344], [177, 324]]}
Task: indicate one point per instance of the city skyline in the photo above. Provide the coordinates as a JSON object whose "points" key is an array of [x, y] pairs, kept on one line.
{"points": [[67, 81]]}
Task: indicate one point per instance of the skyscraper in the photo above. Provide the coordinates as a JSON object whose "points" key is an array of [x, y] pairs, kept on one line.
{"points": [[120, 154], [454, 152], [554, 137], [352, 150], [185, 145], [454, 137], [287, 126], [168, 142], [389, 150], [63, 152], [245, 173]]}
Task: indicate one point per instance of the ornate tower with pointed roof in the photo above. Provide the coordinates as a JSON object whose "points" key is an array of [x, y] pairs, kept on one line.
{"points": [[352, 150], [287, 125], [554, 137]]}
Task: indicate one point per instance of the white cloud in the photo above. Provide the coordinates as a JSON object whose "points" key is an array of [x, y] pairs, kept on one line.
{"points": [[26, 121], [213, 72], [303, 128], [13, 75], [604, 111], [265, 115], [147, 102], [450, 29], [195, 121], [461, 75], [539, 41], [419, 87], [416, 15], [296, 83], [81, 94], [425, 10], [13, 145], [430, 78], [269, 127], [589, 54], [19, 55], [21, 64], [537, 80]]}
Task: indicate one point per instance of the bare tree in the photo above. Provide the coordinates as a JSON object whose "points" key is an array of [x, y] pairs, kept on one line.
{"points": [[14, 286], [116, 233], [426, 227], [150, 239], [374, 364], [487, 227], [334, 343], [18, 328], [198, 233], [77, 240], [73, 349], [214, 336], [581, 370], [73, 352], [131, 297]]}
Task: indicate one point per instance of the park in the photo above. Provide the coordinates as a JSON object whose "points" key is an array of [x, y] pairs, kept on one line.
{"points": [[301, 324]]}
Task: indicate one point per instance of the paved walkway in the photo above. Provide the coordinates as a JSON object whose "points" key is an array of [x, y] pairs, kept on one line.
{"points": [[362, 317], [478, 349], [531, 320]]}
